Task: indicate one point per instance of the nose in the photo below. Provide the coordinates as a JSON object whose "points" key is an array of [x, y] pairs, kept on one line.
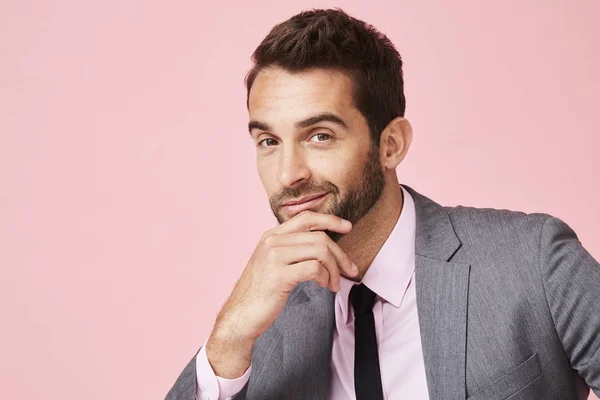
{"points": [[292, 167]]}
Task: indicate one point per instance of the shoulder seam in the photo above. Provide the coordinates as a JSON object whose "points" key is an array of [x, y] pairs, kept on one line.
{"points": [[541, 275]]}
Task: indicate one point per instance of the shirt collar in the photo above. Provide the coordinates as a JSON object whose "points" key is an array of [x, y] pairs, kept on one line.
{"points": [[391, 270]]}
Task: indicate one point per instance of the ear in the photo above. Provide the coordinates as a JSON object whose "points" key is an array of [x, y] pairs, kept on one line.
{"points": [[395, 141]]}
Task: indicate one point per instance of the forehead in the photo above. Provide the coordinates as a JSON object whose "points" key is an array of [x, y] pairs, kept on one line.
{"points": [[277, 94]]}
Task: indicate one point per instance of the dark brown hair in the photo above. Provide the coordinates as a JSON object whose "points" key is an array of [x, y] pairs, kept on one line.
{"points": [[332, 39]]}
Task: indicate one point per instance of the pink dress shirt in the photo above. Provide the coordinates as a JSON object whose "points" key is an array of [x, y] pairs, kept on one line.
{"points": [[391, 277]]}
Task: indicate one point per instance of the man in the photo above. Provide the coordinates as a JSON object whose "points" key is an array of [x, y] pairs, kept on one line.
{"points": [[367, 289]]}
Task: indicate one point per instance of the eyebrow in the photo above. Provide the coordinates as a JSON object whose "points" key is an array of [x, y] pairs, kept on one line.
{"points": [[305, 123]]}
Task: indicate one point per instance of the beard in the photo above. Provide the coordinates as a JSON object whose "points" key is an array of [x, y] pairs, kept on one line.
{"points": [[358, 201]]}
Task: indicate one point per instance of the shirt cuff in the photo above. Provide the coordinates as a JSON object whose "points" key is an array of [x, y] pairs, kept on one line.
{"points": [[212, 387]]}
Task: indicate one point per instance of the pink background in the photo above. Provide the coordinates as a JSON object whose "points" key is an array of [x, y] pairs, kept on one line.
{"points": [[129, 198]]}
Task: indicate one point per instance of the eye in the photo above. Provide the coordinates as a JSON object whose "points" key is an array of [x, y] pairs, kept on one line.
{"points": [[260, 144], [322, 135]]}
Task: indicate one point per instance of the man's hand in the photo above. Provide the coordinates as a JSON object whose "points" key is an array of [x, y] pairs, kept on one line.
{"points": [[296, 251]]}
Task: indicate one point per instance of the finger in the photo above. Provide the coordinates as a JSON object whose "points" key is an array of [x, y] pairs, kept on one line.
{"points": [[323, 279], [307, 271], [312, 251], [313, 221], [299, 238]]}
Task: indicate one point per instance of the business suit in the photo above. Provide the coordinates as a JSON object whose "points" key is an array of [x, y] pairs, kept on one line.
{"points": [[508, 305]]}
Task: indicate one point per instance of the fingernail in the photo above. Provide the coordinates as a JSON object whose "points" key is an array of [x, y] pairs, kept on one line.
{"points": [[354, 268], [346, 223]]}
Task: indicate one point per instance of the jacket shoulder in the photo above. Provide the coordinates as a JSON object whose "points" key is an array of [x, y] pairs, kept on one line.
{"points": [[498, 221], [498, 234]]}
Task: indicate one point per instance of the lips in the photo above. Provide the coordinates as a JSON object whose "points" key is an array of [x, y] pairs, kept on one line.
{"points": [[303, 200], [304, 204]]}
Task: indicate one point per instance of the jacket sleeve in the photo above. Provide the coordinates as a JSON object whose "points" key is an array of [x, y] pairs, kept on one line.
{"points": [[571, 279], [185, 386]]}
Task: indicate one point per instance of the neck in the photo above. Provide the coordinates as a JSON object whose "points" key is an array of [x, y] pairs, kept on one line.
{"points": [[369, 233]]}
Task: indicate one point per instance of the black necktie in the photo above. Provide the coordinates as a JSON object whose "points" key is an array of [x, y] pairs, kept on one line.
{"points": [[367, 376]]}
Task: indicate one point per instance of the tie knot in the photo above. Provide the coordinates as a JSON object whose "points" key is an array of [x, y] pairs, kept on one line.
{"points": [[362, 299]]}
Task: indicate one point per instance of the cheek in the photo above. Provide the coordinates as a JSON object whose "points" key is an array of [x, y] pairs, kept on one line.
{"points": [[341, 170], [268, 176]]}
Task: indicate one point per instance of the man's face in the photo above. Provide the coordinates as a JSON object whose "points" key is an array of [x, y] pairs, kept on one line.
{"points": [[298, 158]]}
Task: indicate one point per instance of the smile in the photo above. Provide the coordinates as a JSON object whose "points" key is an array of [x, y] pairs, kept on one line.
{"points": [[296, 208]]}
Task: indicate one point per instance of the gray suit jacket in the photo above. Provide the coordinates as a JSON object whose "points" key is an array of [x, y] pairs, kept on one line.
{"points": [[508, 305]]}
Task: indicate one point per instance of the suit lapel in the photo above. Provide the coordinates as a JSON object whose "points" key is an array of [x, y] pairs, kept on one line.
{"points": [[442, 291], [308, 326]]}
